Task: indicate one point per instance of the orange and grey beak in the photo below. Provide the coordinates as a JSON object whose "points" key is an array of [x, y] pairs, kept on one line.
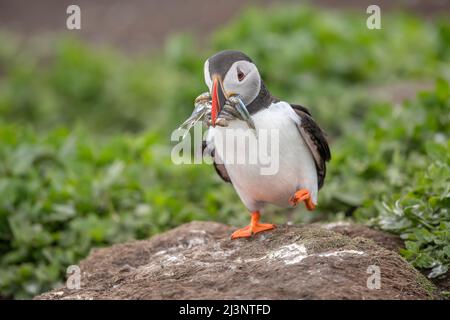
{"points": [[218, 98]]}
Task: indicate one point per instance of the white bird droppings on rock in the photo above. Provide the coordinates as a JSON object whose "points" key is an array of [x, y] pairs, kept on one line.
{"points": [[198, 231], [333, 225], [290, 254], [174, 259], [341, 253], [296, 253]]}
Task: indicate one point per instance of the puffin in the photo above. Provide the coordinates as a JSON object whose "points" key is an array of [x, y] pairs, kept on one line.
{"points": [[302, 147]]}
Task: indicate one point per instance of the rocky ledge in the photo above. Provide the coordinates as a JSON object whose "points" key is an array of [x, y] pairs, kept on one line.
{"points": [[199, 261]]}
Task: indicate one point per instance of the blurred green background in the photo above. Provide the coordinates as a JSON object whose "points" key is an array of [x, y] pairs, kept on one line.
{"points": [[86, 117]]}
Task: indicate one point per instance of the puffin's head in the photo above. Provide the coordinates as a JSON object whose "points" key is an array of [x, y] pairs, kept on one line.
{"points": [[229, 73]]}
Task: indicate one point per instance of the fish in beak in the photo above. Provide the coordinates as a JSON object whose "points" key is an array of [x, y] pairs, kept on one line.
{"points": [[218, 98]]}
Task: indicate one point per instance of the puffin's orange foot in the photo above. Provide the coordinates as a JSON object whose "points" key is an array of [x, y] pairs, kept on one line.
{"points": [[253, 228], [242, 233], [247, 232], [302, 195]]}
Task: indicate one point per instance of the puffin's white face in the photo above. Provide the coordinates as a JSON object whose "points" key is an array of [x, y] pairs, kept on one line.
{"points": [[242, 78]]}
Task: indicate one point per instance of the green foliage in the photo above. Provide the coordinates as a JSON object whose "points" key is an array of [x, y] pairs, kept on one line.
{"points": [[74, 84], [422, 219], [395, 171], [71, 179], [302, 52], [64, 193]]}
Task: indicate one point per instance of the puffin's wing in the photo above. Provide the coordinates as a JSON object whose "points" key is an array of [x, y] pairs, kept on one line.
{"points": [[220, 168], [315, 139]]}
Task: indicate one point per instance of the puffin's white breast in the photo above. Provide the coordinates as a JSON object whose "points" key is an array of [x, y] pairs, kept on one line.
{"points": [[273, 163]]}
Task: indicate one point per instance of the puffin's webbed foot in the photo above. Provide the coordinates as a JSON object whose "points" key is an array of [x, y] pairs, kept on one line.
{"points": [[302, 195], [253, 228]]}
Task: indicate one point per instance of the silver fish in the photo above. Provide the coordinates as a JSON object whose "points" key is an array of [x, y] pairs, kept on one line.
{"points": [[202, 107], [242, 109], [233, 109]]}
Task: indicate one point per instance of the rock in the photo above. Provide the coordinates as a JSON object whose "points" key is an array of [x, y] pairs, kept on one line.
{"points": [[383, 239], [199, 261]]}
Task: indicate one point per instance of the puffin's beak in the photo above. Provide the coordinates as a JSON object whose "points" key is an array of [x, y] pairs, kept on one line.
{"points": [[218, 98]]}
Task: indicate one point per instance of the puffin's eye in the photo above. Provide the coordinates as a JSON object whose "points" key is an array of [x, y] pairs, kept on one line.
{"points": [[240, 74]]}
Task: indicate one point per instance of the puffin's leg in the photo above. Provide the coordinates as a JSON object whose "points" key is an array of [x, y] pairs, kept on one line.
{"points": [[253, 228], [302, 195]]}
